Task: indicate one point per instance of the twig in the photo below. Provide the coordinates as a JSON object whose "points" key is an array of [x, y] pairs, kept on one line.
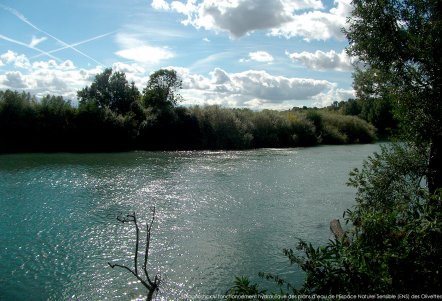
{"points": [[151, 286]]}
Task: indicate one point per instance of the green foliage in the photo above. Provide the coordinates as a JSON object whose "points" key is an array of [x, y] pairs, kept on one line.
{"points": [[392, 177], [101, 130], [398, 43], [17, 120], [303, 130], [222, 128], [113, 116], [316, 118], [350, 107], [162, 89], [243, 287], [53, 124], [15, 108], [110, 90], [338, 129], [378, 111]]}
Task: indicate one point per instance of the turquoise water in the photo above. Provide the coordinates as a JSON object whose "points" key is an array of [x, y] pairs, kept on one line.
{"points": [[219, 214]]}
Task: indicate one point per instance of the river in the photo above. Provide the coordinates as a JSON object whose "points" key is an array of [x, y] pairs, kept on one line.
{"points": [[218, 214]]}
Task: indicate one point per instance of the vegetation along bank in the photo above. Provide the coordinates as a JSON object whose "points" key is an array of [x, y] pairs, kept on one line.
{"points": [[113, 115]]}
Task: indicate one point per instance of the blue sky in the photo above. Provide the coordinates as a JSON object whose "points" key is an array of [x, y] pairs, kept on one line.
{"points": [[237, 53]]}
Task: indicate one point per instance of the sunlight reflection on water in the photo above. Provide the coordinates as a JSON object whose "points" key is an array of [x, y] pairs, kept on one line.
{"points": [[219, 214]]}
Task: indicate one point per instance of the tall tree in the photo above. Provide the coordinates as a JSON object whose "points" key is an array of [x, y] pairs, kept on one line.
{"points": [[110, 89], [162, 89], [398, 44]]}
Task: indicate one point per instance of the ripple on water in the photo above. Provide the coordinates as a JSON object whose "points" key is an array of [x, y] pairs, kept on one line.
{"points": [[219, 214]]}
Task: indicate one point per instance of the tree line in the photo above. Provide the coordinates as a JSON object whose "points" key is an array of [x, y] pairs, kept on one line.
{"points": [[113, 115]]}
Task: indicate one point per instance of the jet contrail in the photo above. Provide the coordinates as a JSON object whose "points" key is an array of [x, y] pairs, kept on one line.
{"points": [[78, 43], [2, 37], [25, 20]]}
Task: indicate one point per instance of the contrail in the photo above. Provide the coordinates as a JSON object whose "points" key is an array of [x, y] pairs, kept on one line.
{"points": [[30, 47], [25, 20], [78, 43]]}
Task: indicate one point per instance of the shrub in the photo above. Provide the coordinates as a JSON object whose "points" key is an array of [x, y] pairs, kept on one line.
{"points": [[346, 129]]}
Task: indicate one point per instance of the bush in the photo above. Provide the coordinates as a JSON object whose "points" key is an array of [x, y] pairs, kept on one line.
{"points": [[303, 130], [339, 129], [222, 128]]}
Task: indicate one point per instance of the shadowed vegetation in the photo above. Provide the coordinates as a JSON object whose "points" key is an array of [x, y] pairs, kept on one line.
{"points": [[113, 115]]}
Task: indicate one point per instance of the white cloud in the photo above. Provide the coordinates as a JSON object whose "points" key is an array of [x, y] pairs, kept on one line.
{"points": [[182, 8], [134, 73], [15, 80], [67, 65], [45, 77], [260, 84], [35, 41], [293, 5], [65, 79], [52, 64], [261, 56], [251, 88], [241, 17], [128, 68], [288, 18], [8, 57], [19, 61], [219, 76], [322, 61], [145, 54], [160, 4], [324, 99], [317, 25], [44, 64], [136, 49]]}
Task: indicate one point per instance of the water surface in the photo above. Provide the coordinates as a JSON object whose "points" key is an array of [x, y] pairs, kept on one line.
{"points": [[219, 214]]}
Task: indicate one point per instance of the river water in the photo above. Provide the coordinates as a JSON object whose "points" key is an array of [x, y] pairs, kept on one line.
{"points": [[218, 215]]}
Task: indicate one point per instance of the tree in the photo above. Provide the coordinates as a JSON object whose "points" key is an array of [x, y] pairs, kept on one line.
{"points": [[152, 286], [55, 118], [112, 90], [350, 107], [398, 43], [18, 121], [162, 89]]}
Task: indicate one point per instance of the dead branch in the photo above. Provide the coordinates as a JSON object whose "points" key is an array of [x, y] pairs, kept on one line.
{"points": [[151, 286], [336, 229]]}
